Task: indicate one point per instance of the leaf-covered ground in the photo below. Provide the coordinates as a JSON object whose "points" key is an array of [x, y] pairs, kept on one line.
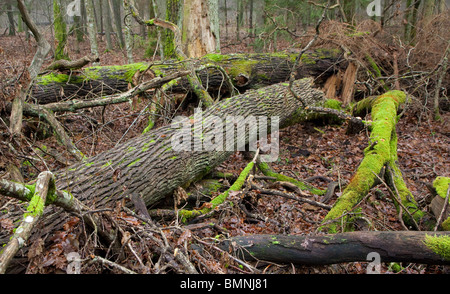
{"points": [[306, 150]]}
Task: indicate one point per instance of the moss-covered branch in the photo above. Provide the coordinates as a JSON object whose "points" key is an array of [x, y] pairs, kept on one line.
{"points": [[45, 184], [237, 185], [441, 204], [382, 151], [267, 171]]}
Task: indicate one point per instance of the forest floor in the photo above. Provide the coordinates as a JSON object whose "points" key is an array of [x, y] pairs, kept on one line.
{"points": [[306, 150]]}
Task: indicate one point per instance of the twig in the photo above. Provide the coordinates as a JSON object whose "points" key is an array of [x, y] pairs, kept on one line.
{"points": [[289, 196], [444, 208], [112, 264], [297, 60], [251, 268], [394, 197]]}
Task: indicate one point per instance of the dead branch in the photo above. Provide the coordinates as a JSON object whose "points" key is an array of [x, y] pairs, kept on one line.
{"points": [[43, 46], [64, 65], [392, 246], [44, 185]]}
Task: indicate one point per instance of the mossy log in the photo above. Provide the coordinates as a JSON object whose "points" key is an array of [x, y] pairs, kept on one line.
{"points": [[439, 206], [149, 167], [379, 156], [245, 70], [392, 246]]}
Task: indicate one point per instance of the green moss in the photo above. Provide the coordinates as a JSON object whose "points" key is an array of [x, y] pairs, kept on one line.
{"points": [[214, 57], [382, 149], [441, 184], [333, 104], [58, 78], [373, 64], [36, 204], [439, 245], [241, 67], [150, 125], [266, 170], [134, 162], [107, 164]]}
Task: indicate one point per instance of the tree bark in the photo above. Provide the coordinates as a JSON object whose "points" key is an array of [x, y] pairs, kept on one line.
{"points": [[60, 31], [245, 70], [198, 36], [91, 27], [149, 167], [43, 46], [392, 246]]}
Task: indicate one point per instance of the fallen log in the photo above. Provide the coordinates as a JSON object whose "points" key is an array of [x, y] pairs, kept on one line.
{"points": [[149, 167], [245, 70], [392, 246]]}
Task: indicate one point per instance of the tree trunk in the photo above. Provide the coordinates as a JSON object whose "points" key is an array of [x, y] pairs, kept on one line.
{"points": [[60, 31], [245, 70], [380, 158], [118, 21], [108, 25], [92, 30], [149, 166], [128, 34], [150, 159], [392, 246], [10, 13], [173, 8], [197, 37]]}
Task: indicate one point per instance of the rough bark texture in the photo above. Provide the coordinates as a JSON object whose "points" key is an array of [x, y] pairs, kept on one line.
{"points": [[245, 70], [392, 246], [198, 38], [148, 167]]}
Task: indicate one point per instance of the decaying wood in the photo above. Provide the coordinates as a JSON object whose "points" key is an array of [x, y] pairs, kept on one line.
{"points": [[349, 82], [392, 246], [148, 166], [66, 65], [45, 182], [331, 86], [246, 71]]}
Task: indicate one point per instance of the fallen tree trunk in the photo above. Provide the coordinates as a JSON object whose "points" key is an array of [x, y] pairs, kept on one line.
{"points": [[149, 167], [245, 71], [392, 246]]}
